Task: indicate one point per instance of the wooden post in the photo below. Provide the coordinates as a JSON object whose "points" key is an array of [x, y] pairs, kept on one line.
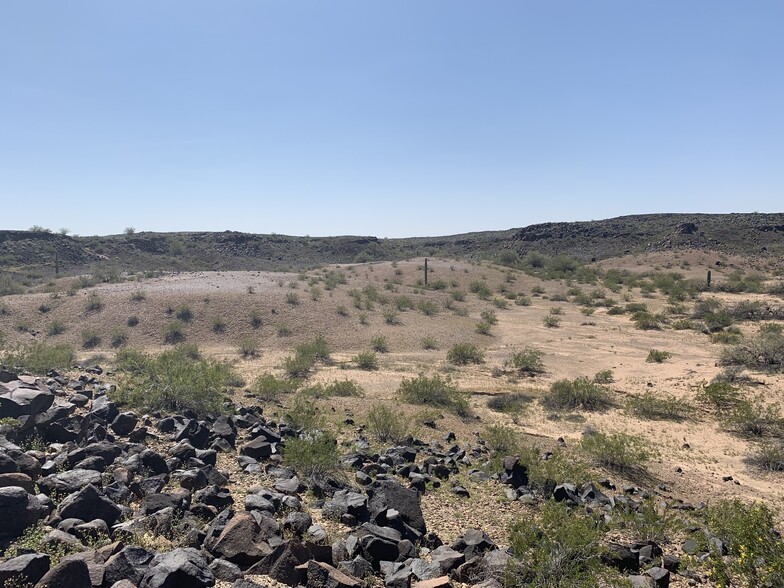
{"points": [[56, 263], [709, 278], [425, 271]]}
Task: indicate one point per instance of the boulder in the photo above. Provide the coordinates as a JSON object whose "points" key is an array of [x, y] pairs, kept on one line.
{"points": [[69, 481], [180, 568], [28, 568], [25, 401], [321, 575], [18, 510], [88, 504], [130, 563], [238, 541], [69, 573], [388, 495]]}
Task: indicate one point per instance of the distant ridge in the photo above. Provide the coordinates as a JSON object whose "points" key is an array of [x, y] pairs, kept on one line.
{"points": [[741, 233]]}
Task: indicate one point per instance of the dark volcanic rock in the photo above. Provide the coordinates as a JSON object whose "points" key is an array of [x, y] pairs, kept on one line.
{"points": [[386, 496], [181, 568], [18, 510], [25, 568], [69, 573], [88, 504]]}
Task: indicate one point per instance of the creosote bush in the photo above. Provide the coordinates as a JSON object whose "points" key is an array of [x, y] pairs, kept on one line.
{"points": [[184, 313], [248, 347], [618, 451], [577, 394], [659, 407], [754, 418], [657, 356], [764, 352], [721, 396], [176, 380], [513, 403], [527, 361], [174, 333], [93, 303], [388, 425], [39, 358], [366, 360], [464, 353], [435, 391], [268, 387], [429, 343], [379, 344], [313, 454]]}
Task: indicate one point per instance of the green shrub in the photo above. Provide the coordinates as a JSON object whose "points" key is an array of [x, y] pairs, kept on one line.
{"points": [[560, 549], [429, 343], [138, 296], [176, 380], [298, 365], [481, 289], [132, 321], [119, 338], [283, 330], [184, 313], [579, 393], [755, 552], [255, 319], [764, 351], [522, 300], [604, 377], [55, 328], [645, 321], [379, 344], [657, 356], [551, 322], [755, 418], [174, 333], [515, 403], [366, 360], [93, 303], [527, 361], [615, 310], [39, 358], [248, 347], [312, 455], [683, 325], [388, 425], [343, 389], [489, 317], [464, 353], [721, 396], [663, 407], [269, 388], [90, 339], [483, 328], [218, 325], [501, 440], [428, 307], [726, 337], [341, 310], [457, 295], [500, 303], [618, 452], [435, 391], [292, 298], [556, 310], [768, 457]]}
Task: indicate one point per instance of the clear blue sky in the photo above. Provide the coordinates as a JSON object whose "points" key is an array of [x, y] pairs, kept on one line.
{"points": [[397, 118]]}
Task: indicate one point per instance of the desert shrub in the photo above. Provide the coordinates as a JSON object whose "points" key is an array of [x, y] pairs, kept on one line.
{"points": [[556, 310], [391, 316], [481, 289], [174, 333], [435, 391], [379, 344], [44, 308], [587, 310], [298, 365], [618, 451], [732, 374], [39, 358], [292, 298], [501, 440], [283, 330], [366, 360], [255, 319], [768, 457], [559, 549], [604, 377], [551, 322], [615, 310], [645, 321], [333, 279], [764, 351], [527, 361], [489, 317], [138, 296], [522, 300], [464, 353], [427, 307], [559, 297], [483, 328], [313, 454], [404, 303], [55, 328], [132, 321], [755, 551], [721, 396], [727, 337], [119, 338], [457, 295], [664, 407], [218, 325], [514, 403], [248, 347], [315, 293], [90, 339], [9, 287], [341, 388], [184, 313], [388, 425], [341, 310], [683, 325], [754, 418], [176, 380], [93, 303], [363, 318], [658, 356], [579, 393], [500, 303], [429, 343], [267, 387]]}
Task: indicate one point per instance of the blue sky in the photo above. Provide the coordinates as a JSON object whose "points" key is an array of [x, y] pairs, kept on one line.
{"points": [[397, 118]]}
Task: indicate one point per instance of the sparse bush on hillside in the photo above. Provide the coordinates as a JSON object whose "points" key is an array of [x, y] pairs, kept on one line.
{"points": [[659, 407], [481, 289], [313, 454], [138, 296], [768, 456], [513, 403], [577, 394], [218, 325], [604, 377], [255, 319], [391, 316], [119, 338], [645, 321], [429, 343], [174, 333], [366, 360], [551, 322], [248, 347], [522, 300], [38, 358], [618, 452], [269, 388], [342, 388], [184, 313], [527, 361], [292, 298], [464, 353], [132, 321], [483, 328], [55, 328], [387, 425], [379, 344], [176, 380], [489, 317], [658, 356], [93, 303], [754, 418], [435, 391], [764, 352], [90, 339], [428, 307]]}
